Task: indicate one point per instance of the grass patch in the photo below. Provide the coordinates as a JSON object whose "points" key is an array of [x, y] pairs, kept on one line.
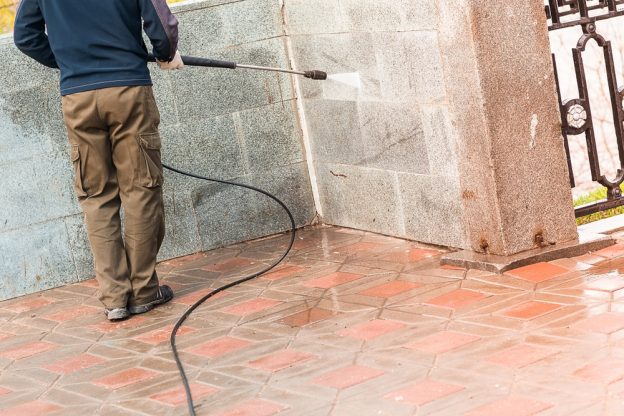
{"points": [[597, 195]]}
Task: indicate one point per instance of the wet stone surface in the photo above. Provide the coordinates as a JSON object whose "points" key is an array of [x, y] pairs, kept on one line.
{"points": [[352, 323]]}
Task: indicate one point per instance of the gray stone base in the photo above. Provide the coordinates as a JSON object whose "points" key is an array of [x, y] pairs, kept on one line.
{"points": [[586, 243]]}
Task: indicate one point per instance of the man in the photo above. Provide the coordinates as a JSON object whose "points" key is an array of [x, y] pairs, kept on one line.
{"points": [[112, 122]]}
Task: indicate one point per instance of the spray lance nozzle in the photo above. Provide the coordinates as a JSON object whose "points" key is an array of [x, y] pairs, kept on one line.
{"points": [[315, 74], [214, 63]]}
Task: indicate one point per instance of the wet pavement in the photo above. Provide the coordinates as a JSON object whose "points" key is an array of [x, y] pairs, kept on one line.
{"points": [[352, 324]]}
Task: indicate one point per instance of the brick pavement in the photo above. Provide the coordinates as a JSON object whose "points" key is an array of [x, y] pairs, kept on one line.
{"points": [[352, 324]]}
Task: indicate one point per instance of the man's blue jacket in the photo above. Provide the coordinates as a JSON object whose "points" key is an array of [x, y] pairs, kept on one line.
{"points": [[96, 43]]}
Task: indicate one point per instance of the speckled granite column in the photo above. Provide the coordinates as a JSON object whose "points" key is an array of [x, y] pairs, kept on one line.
{"points": [[499, 77]]}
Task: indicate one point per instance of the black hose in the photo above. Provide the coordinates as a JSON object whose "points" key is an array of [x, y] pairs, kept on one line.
{"points": [[187, 388]]}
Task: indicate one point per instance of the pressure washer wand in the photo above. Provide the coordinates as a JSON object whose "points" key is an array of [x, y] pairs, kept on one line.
{"points": [[214, 63]]}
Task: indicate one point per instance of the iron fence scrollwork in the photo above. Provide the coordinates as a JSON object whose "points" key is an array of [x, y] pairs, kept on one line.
{"points": [[577, 112]]}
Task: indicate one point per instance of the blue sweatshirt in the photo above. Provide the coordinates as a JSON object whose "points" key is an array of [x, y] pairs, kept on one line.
{"points": [[96, 43]]}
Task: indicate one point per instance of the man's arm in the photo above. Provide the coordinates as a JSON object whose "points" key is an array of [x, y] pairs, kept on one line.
{"points": [[161, 27], [29, 33]]}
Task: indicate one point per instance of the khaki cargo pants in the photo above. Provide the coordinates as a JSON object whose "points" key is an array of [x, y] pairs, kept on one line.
{"points": [[115, 150]]}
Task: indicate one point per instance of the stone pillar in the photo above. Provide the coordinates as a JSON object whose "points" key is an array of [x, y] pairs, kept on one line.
{"points": [[512, 166]]}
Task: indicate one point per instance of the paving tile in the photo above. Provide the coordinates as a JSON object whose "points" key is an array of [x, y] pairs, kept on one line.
{"points": [[69, 314], [427, 339], [605, 371], [89, 283], [256, 407], [217, 347], [347, 377], [332, 280], [73, 364], [442, 342], [283, 273], [158, 336], [606, 283], [192, 298], [307, 317], [520, 356], [251, 306], [108, 327], [229, 265], [28, 304], [423, 392], [531, 310], [372, 329], [177, 396], [125, 378], [387, 290], [616, 250], [606, 323], [31, 408], [280, 360], [539, 272], [511, 406], [456, 299], [27, 350]]}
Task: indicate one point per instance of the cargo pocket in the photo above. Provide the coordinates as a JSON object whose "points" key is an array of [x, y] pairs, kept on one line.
{"points": [[150, 167], [78, 184]]}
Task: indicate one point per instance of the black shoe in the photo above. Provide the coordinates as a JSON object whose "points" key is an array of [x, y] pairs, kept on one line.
{"points": [[163, 295]]}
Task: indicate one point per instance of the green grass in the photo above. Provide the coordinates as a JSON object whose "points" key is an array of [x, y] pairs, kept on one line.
{"points": [[594, 196]]}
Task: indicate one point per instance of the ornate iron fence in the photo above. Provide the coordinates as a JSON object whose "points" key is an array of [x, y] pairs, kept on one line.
{"points": [[577, 112]]}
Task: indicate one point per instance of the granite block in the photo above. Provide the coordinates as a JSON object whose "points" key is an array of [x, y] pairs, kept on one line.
{"points": [[24, 133], [79, 246], [228, 214], [386, 16], [21, 72], [305, 17], [334, 130], [432, 209], [410, 66], [208, 147], [40, 261], [270, 136], [393, 137], [181, 233], [227, 25], [42, 183], [440, 140], [165, 96], [360, 197]]}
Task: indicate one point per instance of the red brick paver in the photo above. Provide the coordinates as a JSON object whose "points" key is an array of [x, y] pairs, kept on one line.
{"points": [[75, 363], [539, 272], [457, 299], [219, 347], [332, 280], [511, 406], [423, 392], [125, 378], [280, 360], [442, 342], [177, 396], [347, 377]]}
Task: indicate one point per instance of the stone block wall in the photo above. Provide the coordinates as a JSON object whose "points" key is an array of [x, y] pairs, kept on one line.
{"points": [[380, 131], [237, 125]]}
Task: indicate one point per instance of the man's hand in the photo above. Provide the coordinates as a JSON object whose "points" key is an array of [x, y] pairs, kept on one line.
{"points": [[176, 63]]}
